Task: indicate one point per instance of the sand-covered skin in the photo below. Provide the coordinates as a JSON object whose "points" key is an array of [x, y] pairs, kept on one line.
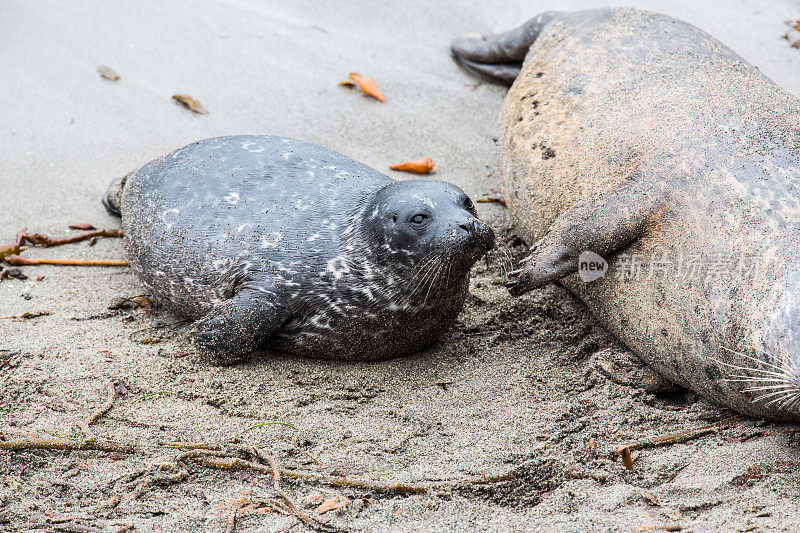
{"points": [[514, 386]]}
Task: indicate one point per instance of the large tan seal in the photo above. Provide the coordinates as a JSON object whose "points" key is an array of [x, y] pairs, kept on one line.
{"points": [[640, 138]]}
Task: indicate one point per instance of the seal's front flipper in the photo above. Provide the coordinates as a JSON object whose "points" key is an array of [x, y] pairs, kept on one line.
{"points": [[236, 326], [602, 225], [496, 56]]}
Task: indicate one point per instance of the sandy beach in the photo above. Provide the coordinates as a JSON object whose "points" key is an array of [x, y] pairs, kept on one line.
{"points": [[513, 388]]}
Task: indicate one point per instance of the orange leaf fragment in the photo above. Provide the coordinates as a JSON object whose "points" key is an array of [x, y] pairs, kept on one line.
{"points": [[329, 505], [9, 250], [82, 226], [367, 86], [190, 103], [423, 165], [627, 458], [107, 73]]}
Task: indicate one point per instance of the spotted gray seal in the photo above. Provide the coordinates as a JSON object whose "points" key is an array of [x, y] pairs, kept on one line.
{"points": [[642, 139], [286, 244]]}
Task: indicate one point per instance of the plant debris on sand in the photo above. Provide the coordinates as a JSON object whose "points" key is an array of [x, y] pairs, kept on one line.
{"points": [[510, 415]]}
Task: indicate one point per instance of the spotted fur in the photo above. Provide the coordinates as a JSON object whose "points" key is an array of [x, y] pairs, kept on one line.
{"points": [[278, 242], [635, 135]]}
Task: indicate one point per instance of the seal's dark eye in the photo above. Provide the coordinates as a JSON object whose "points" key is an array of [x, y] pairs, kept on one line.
{"points": [[419, 219], [467, 202]]}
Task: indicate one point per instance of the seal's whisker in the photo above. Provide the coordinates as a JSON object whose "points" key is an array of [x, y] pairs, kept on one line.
{"points": [[780, 386], [759, 378], [450, 271], [780, 400], [795, 400], [776, 369], [423, 271], [775, 385], [780, 375], [430, 285], [773, 382], [423, 284], [421, 280], [757, 360], [421, 265], [786, 373], [437, 279], [790, 399], [769, 395], [785, 399], [503, 257], [428, 271]]}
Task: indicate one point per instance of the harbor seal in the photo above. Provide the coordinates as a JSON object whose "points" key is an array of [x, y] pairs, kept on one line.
{"points": [[637, 139], [286, 244]]}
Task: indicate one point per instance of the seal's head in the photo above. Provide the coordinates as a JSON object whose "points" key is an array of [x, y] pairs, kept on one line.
{"points": [[418, 224]]}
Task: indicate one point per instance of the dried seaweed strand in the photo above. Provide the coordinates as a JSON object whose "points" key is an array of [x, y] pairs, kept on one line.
{"points": [[276, 484], [106, 407], [214, 460], [37, 239]]}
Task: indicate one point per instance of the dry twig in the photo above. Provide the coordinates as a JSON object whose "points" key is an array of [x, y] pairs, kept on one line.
{"points": [[671, 438], [18, 260]]}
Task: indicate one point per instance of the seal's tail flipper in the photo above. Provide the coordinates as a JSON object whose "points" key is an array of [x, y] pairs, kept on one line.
{"points": [[602, 225], [498, 73], [499, 57], [111, 199]]}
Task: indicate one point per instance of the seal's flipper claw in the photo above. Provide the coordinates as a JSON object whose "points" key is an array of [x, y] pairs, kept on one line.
{"points": [[603, 225], [496, 73], [501, 54], [235, 327], [548, 267]]}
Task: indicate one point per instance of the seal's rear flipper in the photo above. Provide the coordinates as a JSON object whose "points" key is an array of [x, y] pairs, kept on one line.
{"points": [[499, 57], [626, 368], [602, 225], [111, 199], [504, 73]]}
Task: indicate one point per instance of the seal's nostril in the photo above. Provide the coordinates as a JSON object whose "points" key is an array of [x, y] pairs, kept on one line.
{"points": [[467, 226]]}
